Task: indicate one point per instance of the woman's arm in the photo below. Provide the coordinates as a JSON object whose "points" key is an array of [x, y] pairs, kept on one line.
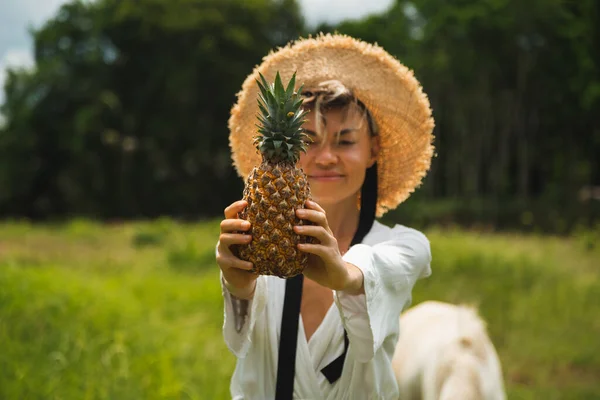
{"points": [[372, 284], [244, 297], [326, 265], [237, 275], [390, 270]]}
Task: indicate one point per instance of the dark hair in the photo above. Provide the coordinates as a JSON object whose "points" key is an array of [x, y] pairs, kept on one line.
{"points": [[333, 94]]}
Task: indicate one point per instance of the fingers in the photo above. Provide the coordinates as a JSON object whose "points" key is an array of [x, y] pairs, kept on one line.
{"points": [[228, 239], [228, 261], [313, 205], [236, 207], [319, 250], [239, 264], [234, 225], [316, 231], [318, 217], [225, 257]]}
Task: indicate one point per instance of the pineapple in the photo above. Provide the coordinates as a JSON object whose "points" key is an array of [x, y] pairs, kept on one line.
{"points": [[276, 188]]}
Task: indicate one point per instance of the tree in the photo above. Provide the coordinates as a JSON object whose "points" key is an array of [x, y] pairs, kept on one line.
{"points": [[126, 113], [514, 89]]}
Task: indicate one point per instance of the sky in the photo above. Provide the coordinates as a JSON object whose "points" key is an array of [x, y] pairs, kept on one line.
{"points": [[16, 16]]}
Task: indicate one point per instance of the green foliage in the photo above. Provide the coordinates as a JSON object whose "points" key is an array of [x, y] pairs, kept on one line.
{"points": [[189, 257], [126, 112], [536, 294], [154, 234], [105, 319], [589, 238], [489, 214], [514, 91], [123, 336]]}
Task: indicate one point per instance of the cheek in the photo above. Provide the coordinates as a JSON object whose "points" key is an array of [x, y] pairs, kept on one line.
{"points": [[359, 160], [304, 160], [357, 163]]}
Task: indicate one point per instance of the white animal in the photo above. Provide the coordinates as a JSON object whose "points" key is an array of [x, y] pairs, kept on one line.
{"points": [[444, 353]]}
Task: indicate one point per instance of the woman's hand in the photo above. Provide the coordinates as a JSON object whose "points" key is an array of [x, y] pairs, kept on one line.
{"points": [[325, 265], [236, 273]]}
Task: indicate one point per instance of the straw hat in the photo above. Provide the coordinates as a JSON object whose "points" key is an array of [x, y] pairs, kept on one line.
{"points": [[387, 88]]}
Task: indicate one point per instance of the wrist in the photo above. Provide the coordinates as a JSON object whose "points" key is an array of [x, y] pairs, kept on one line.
{"points": [[243, 293], [355, 280]]}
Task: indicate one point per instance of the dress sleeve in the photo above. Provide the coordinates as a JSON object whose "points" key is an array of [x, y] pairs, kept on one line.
{"points": [[390, 269], [240, 317]]}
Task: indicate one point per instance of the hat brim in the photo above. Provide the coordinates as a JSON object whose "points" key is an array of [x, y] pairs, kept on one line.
{"points": [[388, 89]]}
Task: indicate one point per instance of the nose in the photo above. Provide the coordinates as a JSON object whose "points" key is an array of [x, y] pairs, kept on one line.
{"points": [[325, 156]]}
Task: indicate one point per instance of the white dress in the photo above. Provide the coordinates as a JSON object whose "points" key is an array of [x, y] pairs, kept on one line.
{"points": [[392, 260]]}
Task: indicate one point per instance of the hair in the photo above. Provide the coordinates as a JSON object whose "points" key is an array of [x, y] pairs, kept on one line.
{"points": [[333, 94]]}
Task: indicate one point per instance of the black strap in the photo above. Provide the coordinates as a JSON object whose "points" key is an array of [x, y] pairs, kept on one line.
{"points": [[286, 367], [333, 370], [368, 207], [286, 364]]}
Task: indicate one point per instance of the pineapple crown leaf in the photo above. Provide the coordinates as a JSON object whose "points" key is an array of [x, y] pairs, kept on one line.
{"points": [[280, 120]]}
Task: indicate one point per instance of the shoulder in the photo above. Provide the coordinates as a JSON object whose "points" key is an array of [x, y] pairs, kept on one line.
{"points": [[402, 230], [395, 252], [383, 233], [410, 244]]}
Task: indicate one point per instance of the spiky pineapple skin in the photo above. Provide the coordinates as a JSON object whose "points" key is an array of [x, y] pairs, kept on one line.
{"points": [[273, 193]]}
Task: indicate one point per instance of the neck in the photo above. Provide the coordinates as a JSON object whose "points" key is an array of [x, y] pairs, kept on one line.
{"points": [[343, 220]]}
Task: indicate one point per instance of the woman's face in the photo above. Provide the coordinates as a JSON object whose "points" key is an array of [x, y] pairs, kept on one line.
{"points": [[336, 161]]}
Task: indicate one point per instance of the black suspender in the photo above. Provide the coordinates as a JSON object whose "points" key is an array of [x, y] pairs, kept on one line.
{"points": [[286, 363], [333, 370]]}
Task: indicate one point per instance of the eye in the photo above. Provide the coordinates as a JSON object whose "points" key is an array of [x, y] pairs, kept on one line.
{"points": [[345, 143]]}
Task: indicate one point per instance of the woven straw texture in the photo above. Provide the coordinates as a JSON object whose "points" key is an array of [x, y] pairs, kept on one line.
{"points": [[387, 88]]}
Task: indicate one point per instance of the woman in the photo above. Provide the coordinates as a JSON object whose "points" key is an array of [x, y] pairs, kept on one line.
{"points": [[371, 131]]}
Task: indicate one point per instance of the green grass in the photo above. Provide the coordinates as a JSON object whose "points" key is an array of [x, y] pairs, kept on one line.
{"points": [[133, 311]]}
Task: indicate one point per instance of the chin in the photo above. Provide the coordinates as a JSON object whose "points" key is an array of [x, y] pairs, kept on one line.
{"points": [[329, 199], [326, 199]]}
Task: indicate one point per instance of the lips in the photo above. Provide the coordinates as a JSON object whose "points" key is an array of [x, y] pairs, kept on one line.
{"points": [[326, 176]]}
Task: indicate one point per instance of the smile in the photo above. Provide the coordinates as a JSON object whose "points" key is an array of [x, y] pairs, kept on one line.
{"points": [[326, 178]]}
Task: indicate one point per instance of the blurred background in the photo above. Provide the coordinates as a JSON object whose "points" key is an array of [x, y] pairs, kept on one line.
{"points": [[115, 169]]}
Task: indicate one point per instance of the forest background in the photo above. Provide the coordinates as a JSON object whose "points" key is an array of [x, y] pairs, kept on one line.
{"points": [[115, 170], [125, 114]]}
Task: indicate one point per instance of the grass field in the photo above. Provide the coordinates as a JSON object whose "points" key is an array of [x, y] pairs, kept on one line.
{"points": [[134, 311]]}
